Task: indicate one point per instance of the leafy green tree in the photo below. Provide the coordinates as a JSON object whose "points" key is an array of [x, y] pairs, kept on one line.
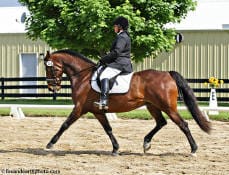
{"points": [[86, 25]]}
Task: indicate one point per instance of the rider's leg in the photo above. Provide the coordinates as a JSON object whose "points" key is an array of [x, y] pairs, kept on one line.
{"points": [[107, 74], [103, 103]]}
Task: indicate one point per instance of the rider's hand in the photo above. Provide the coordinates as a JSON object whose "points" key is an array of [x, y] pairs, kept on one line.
{"points": [[101, 62]]}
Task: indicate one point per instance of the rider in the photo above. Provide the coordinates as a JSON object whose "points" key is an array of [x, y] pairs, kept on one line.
{"points": [[116, 61]]}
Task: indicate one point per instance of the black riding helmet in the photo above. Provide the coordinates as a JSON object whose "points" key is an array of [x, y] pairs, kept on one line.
{"points": [[121, 21]]}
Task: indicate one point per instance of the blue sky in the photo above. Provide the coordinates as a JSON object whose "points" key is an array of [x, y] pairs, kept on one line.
{"points": [[9, 3]]}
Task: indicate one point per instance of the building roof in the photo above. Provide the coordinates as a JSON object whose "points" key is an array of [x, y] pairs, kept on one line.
{"points": [[12, 19], [9, 3], [208, 15]]}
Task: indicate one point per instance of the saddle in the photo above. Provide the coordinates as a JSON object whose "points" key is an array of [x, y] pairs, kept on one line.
{"points": [[119, 84]]}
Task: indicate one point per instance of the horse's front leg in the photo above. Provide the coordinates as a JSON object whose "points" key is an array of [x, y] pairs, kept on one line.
{"points": [[106, 125], [70, 120]]}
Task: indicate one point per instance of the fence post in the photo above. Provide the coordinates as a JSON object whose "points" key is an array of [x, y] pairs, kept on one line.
{"points": [[2, 88]]}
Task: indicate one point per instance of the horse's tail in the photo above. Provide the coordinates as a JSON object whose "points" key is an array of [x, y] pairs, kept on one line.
{"points": [[190, 101]]}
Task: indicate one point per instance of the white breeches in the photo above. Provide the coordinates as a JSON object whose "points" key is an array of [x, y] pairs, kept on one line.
{"points": [[109, 73]]}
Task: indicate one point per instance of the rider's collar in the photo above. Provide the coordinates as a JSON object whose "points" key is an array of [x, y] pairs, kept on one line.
{"points": [[120, 32]]}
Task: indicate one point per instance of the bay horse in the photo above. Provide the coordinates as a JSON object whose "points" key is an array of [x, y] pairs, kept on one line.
{"points": [[157, 90]]}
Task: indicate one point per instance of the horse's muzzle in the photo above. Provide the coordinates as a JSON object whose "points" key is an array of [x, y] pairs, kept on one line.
{"points": [[54, 88]]}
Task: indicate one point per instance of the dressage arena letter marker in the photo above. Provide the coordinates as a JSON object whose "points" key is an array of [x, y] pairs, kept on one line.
{"points": [[213, 102]]}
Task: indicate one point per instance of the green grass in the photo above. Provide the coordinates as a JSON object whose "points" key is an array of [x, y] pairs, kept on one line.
{"points": [[144, 114], [136, 114]]}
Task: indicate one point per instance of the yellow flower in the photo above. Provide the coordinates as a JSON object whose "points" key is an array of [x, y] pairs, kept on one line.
{"points": [[211, 79], [214, 82]]}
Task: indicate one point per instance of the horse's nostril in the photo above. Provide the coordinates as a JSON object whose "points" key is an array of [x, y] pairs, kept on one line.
{"points": [[50, 88]]}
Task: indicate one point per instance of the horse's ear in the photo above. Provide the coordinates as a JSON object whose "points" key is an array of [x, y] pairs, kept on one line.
{"points": [[47, 55]]}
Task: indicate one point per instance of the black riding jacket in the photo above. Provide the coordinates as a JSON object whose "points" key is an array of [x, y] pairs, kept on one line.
{"points": [[119, 55]]}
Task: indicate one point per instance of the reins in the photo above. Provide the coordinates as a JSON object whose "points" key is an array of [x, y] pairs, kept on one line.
{"points": [[54, 79], [88, 68]]}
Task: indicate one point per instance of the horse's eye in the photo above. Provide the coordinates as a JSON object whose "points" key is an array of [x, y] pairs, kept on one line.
{"points": [[49, 63]]}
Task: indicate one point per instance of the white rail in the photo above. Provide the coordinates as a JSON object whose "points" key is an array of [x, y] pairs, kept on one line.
{"points": [[17, 112], [16, 109]]}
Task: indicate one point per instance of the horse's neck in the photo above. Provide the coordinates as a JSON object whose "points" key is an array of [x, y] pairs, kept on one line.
{"points": [[75, 68]]}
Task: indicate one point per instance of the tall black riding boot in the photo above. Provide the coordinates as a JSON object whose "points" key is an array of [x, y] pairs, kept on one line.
{"points": [[103, 103]]}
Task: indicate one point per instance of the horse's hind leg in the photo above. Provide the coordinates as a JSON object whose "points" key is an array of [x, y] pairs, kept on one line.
{"points": [[160, 122], [175, 117], [70, 120], [106, 125]]}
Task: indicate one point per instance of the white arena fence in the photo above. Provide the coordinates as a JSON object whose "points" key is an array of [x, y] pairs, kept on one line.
{"points": [[16, 109]]}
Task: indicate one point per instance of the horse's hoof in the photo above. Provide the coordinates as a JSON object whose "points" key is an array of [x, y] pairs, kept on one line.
{"points": [[146, 146], [115, 153], [193, 155], [49, 146]]}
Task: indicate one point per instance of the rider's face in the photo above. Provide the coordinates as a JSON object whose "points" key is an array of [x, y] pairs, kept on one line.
{"points": [[116, 28]]}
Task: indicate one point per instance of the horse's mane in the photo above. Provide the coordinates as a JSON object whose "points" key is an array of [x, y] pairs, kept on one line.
{"points": [[74, 54]]}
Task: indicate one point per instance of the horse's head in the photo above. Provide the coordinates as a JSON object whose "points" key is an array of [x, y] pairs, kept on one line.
{"points": [[54, 71]]}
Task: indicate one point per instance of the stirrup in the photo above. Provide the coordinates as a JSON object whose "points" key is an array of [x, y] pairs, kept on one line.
{"points": [[101, 106]]}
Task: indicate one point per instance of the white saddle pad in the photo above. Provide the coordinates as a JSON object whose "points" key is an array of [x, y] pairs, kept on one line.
{"points": [[121, 85]]}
